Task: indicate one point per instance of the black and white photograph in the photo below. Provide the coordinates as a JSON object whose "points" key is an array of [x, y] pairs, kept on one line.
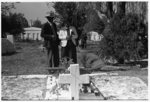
{"points": [[74, 51]]}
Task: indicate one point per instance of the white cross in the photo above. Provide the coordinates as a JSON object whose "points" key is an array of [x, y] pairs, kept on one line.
{"points": [[74, 79]]}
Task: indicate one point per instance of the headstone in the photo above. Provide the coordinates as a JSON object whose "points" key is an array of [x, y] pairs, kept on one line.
{"points": [[7, 47], [10, 38], [74, 79]]}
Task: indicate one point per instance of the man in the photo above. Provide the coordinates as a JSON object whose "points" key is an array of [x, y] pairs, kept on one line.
{"points": [[68, 42], [83, 40], [51, 41]]}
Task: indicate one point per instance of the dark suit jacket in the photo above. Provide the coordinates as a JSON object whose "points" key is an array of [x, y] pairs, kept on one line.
{"points": [[47, 34]]}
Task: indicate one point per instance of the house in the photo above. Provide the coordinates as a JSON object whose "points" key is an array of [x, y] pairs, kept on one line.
{"points": [[94, 36], [31, 33]]}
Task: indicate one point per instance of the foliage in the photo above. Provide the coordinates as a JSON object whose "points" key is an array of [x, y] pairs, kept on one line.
{"points": [[18, 22], [5, 25], [37, 23], [92, 20], [69, 12], [82, 15], [121, 38], [80, 20], [124, 34], [94, 23], [6, 7], [13, 23], [66, 10]]}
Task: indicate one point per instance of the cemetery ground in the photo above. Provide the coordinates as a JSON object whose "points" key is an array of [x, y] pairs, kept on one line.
{"points": [[31, 60]]}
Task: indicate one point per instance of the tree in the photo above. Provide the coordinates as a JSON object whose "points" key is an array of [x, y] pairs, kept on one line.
{"points": [[5, 10], [66, 10], [6, 7], [5, 25], [97, 15], [113, 31], [124, 32], [121, 40], [17, 23], [37, 23], [13, 23], [94, 23], [121, 7]]}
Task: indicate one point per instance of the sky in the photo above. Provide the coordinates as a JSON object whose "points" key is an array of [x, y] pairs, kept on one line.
{"points": [[33, 10]]}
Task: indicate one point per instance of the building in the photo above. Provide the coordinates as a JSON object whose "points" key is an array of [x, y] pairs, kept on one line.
{"points": [[31, 33], [94, 36]]}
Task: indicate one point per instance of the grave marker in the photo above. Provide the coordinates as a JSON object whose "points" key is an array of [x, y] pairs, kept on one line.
{"points": [[10, 38], [74, 79]]}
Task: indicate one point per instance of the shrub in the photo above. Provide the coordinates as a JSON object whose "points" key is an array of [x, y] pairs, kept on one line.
{"points": [[121, 38]]}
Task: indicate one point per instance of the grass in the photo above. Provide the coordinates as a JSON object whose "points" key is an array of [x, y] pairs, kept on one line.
{"points": [[30, 59]]}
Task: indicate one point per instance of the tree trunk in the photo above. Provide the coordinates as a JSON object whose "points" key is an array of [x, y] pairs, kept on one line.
{"points": [[109, 10], [121, 8]]}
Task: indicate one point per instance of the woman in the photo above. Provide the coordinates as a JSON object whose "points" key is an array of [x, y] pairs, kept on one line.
{"points": [[68, 36]]}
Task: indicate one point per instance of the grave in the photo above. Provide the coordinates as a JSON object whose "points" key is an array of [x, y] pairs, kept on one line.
{"points": [[121, 87], [112, 86], [7, 47], [23, 87], [46, 87], [10, 38], [74, 79]]}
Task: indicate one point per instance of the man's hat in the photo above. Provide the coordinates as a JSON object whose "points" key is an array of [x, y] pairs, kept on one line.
{"points": [[50, 15]]}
